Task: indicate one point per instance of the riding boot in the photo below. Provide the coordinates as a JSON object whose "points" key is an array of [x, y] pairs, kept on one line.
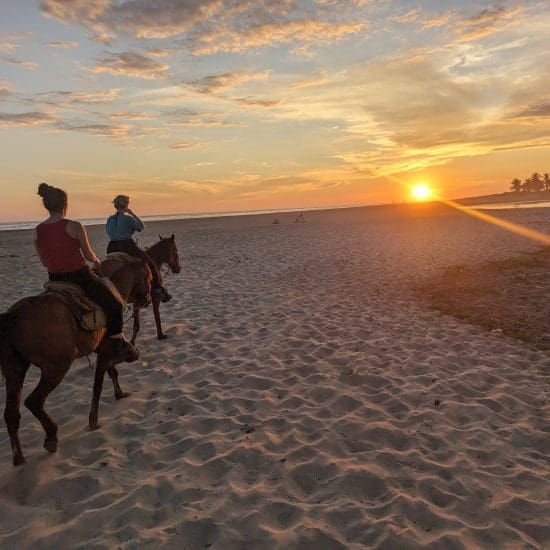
{"points": [[162, 294], [122, 351]]}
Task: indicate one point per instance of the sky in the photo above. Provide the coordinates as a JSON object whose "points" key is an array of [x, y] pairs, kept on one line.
{"points": [[234, 105]]}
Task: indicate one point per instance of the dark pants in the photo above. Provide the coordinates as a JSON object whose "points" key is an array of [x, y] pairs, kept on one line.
{"points": [[89, 282], [130, 247]]}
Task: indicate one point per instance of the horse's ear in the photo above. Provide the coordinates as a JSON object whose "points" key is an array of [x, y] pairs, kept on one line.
{"points": [[160, 237], [172, 237]]}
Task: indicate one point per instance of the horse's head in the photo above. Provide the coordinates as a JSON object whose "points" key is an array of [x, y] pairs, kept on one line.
{"points": [[141, 289], [168, 253]]}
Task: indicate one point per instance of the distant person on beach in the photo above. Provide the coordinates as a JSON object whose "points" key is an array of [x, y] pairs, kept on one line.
{"points": [[120, 227], [63, 248], [300, 218]]}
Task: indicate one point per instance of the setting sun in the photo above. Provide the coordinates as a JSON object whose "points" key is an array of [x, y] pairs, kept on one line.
{"points": [[421, 192]]}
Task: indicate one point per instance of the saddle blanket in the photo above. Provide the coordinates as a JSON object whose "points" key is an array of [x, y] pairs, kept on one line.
{"points": [[115, 261], [88, 314]]}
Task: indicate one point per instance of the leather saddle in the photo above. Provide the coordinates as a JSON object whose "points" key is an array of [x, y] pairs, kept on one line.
{"points": [[87, 313], [115, 261]]}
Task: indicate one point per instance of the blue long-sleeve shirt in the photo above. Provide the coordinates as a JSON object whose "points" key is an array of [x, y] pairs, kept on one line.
{"points": [[121, 227]]}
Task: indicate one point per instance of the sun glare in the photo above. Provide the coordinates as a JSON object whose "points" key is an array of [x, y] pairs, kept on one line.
{"points": [[421, 192]]}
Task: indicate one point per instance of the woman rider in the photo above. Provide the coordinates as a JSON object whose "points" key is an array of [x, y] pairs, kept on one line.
{"points": [[62, 246], [120, 228]]}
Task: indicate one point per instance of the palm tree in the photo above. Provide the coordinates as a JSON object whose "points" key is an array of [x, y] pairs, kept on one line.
{"points": [[526, 185], [515, 185], [546, 181], [536, 182]]}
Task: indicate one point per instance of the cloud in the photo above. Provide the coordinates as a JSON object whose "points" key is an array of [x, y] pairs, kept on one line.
{"points": [[86, 98], [29, 65], [5, 90], [257, 102], [118, 132], [10, 42], [158, 52], [188, 117], [486, 22], [312, 81], [271, 34], [33, 118], [186, 145], [536, 110], [131, 64], [410, 16], [74, 11], [211, 26], [214, 84], [438, 20], [140, 18], [102, 38], [63, 44], [130, 116], [8, 48]]}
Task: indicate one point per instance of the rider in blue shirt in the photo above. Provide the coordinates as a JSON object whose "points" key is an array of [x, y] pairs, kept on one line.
{"points": [[120, 227]]}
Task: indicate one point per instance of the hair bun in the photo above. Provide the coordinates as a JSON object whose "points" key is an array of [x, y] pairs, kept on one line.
{"points": [[44, 189]]}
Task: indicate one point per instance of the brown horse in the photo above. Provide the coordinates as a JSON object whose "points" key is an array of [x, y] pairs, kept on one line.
{"points": [[42, 330], [162, 252]]}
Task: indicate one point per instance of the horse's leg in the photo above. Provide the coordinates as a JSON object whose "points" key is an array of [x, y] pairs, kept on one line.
{"points": [[35, 402], [113, 374], [102, 364], [136, 325], [156, 311], [14, 369]]}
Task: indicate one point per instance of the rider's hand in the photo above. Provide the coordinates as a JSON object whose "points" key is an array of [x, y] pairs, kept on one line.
{"points": [[97, 263]]}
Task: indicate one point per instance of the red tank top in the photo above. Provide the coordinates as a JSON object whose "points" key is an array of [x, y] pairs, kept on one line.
{"points": [[61, 252]]}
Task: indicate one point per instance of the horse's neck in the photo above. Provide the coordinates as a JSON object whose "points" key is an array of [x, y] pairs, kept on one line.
{"points": [[155, 253]]}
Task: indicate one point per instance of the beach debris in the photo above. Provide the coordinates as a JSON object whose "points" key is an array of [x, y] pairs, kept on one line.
{"points": [[437, 402], [276, 221]]}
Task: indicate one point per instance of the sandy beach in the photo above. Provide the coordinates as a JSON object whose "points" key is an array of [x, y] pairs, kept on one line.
{"points": [[306, 398]]}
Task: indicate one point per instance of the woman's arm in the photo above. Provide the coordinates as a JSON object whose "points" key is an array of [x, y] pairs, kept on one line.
{"points": [[138, 225], [38, 252], [77, 231]]}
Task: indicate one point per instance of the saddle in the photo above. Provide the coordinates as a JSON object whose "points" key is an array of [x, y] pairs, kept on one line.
{"points": [[115, 261], [87, 313]]}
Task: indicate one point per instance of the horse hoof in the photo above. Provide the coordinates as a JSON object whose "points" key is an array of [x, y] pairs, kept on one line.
{"points": [[50, 446], [18, 460], [162, 337], [123, 395]]}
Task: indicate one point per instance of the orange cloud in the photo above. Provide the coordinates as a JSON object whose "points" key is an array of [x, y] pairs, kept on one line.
{"points": [[133, 65], [269, 34], [33, 118]]}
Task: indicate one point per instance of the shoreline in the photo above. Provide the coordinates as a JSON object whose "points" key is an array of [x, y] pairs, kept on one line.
{"points": [[93, 222]]}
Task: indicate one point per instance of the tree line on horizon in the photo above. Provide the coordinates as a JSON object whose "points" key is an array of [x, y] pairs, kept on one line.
{"points": [[535, 183]]}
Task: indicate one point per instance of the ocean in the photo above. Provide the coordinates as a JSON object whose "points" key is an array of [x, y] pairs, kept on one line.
{"points": [[20, 225]]}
